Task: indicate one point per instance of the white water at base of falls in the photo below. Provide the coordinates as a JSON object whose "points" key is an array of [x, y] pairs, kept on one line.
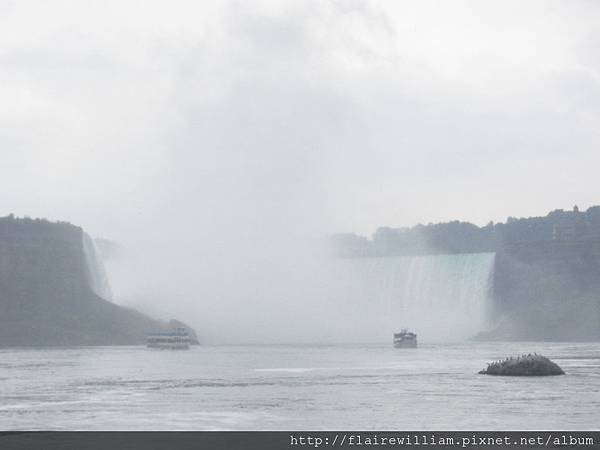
{"points": [[96, 274], [440, 297]]}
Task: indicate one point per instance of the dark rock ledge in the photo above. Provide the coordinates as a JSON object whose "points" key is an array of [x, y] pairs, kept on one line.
{"points": [[525, 365]]}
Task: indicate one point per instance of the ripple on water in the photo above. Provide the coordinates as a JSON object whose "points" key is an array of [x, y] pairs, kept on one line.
{"points": [[294, 388]]}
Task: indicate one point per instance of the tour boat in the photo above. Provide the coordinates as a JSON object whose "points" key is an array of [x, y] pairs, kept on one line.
{"points": [[405, 339], [177, 339]]}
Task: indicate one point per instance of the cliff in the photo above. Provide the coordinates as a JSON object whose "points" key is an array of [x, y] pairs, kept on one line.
{"points": [[547, 291], [45, 293]]}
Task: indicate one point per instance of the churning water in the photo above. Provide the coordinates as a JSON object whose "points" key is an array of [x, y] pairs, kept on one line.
{"points": [[295, 387]]}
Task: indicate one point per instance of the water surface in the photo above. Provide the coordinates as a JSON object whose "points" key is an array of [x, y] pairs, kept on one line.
{"points": [[295, 387]]}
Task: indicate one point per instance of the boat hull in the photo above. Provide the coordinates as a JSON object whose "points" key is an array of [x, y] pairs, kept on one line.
{"points": [[178, 339], [169, 346], [406, 344]]}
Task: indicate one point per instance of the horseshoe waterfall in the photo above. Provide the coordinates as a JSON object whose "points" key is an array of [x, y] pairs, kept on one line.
{"points": [[441, 297]]}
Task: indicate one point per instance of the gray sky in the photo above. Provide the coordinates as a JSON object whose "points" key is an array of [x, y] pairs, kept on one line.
{"points": [[215, 139], [341, 115]]}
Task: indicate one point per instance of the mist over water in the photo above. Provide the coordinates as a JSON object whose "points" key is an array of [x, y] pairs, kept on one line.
{"points": [[444, 298], [219, 142], [307, 296]]}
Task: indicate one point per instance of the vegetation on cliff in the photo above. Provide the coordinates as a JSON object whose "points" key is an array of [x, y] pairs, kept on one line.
{"points": [[465, 237]]}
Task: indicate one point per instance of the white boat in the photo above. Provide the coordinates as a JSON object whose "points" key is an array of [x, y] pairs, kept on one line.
{"points": [[405, 339], [177, 339]]}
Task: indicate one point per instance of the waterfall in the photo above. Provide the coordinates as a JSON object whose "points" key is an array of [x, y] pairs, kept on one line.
{"points": [[440, 297], [96, 274]]}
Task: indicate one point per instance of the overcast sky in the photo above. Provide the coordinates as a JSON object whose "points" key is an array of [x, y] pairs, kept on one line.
{"points": [[314, 115], [214, 140]]}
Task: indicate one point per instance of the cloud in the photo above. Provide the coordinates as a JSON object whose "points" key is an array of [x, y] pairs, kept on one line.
{"points": [[220, 136]]}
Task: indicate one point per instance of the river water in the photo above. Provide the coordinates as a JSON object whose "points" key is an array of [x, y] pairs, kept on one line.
{"points": [[373, 387]]}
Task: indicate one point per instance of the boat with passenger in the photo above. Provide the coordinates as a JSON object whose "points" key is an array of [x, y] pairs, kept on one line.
{"points": [[177, 339], [405, 339]]}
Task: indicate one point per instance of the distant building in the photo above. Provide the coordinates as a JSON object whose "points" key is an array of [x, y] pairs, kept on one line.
{"points": [[574, 226]]}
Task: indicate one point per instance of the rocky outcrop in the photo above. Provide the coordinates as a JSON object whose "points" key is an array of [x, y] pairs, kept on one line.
{"points": [[526, 365]]}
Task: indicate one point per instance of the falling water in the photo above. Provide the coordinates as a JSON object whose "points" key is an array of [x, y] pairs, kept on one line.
{"points": [[441, 297], [97, 278]]}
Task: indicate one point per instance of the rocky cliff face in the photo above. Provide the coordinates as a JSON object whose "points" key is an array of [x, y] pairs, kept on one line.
{"points": [[45, 293], [548, 291]]}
